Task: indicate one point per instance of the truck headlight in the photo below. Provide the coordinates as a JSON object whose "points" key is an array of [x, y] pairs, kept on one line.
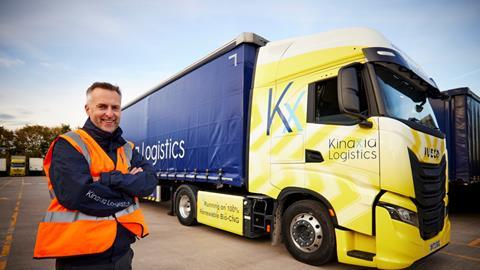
{"points": [[401, 214]]}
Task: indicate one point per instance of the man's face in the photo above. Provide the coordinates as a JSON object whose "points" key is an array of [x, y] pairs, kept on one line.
{"points": [[103, 108]]}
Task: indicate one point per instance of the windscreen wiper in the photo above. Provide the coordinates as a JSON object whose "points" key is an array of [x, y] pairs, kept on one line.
{"points": [[415, 120]]}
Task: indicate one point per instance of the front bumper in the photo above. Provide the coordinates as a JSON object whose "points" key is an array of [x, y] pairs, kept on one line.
{"points": [[17, 172], [399, 244], [396, 244]]}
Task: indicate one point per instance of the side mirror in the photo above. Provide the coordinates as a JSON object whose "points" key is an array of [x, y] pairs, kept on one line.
{"points": [[348, 94], [348, 88]]}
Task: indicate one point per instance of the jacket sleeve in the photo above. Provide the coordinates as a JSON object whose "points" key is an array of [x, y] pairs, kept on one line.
{"points": [[139, 185], [74, 186]]}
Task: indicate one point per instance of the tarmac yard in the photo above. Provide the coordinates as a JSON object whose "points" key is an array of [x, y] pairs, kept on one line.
{"points": [[23, 201]]}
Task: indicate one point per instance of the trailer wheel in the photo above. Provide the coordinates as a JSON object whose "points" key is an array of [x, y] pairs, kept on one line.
{"points": [[186, 205], [308, 232]]}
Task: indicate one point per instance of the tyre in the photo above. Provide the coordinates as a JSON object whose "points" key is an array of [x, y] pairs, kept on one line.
{"points": [[308, 232], [186, 205]]}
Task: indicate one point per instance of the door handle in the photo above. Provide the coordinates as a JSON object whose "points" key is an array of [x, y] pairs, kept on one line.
{"points": [[312, 156]]}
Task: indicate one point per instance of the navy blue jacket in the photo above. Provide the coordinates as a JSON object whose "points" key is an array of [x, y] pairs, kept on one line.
{"points": [[71, 181]]}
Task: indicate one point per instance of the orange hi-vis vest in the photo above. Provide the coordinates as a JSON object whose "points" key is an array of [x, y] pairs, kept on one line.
{"points": [[64, 232]]}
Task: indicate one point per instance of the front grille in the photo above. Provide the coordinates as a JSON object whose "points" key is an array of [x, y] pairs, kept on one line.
{"points": [[429, 184]]}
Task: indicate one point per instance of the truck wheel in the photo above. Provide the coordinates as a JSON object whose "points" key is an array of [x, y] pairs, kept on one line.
{"points": [[308, 232], [186, 205]]}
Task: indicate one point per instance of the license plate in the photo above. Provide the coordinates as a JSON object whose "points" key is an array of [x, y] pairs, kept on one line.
{"points": [[434, 245]]}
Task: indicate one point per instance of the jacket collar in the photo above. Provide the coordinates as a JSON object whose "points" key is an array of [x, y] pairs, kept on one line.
{"points": [[106, 140]]}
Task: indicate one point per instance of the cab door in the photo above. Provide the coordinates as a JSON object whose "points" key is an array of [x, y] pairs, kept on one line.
{"points": [[286, 128], [342, 156]]}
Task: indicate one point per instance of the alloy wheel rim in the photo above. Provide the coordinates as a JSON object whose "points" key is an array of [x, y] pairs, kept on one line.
{"points": [[306, 232]]}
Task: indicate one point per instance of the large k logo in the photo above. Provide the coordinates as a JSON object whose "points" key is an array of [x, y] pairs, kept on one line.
{"points": [[277, 110]]}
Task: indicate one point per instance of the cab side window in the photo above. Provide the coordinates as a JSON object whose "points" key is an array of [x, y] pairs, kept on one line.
{"points": [[323, 103], [326, 98]]}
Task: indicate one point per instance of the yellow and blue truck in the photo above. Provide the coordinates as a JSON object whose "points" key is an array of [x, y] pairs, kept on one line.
{"points": [[326, 142], [18, 165]]}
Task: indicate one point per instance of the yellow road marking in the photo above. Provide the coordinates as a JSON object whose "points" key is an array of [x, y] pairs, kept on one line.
{"points": [[461, 256], [474, 243], [7, 243]]}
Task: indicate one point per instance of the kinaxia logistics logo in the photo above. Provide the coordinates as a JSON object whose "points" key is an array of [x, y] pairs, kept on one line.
{"points": [[288, 108], [168, 149], [352, 149]]}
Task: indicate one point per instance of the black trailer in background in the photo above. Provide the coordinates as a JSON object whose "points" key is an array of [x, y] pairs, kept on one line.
{"points": [[459, 118]]}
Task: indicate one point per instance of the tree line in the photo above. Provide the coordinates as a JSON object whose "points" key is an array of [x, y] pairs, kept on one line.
{"points": [[32, 141]]}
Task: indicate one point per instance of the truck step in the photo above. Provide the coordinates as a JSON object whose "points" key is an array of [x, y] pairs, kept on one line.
{"points": [[258, 213], [367, 256]]}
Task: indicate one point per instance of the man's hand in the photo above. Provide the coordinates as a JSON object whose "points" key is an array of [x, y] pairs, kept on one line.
{"points": [[135, 170]]}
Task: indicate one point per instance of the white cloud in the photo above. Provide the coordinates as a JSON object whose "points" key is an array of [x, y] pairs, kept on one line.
{"points": [[6, 62]]}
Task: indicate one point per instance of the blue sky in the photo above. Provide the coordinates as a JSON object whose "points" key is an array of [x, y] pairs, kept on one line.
{"points": [[52, 50]]}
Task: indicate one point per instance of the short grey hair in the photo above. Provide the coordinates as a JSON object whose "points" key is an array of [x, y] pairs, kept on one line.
{"points": [[103, 85]]}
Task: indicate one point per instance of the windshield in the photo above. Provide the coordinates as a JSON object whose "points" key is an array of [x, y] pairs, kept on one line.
{"points": [[18, 165], [402, 100]]}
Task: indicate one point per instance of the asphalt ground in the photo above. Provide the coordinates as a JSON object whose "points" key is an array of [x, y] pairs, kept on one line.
{"points": [[23, 201]]}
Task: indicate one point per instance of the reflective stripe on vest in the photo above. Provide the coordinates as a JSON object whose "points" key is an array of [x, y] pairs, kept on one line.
{"points": [[76, 216], [71, 217], [127, 148], [75, 137], [128, 210]]}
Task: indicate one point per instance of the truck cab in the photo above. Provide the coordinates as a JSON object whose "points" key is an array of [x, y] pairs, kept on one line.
{"points": [[17, 166], [341, 122]]}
